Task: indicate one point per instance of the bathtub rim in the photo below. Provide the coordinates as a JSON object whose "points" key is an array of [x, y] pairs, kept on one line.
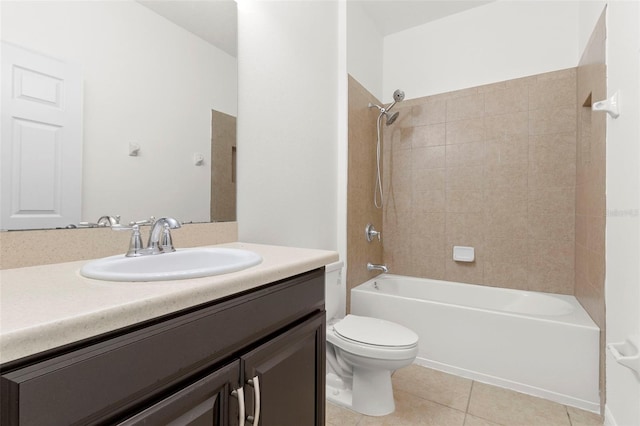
{"points": [[578, 318]]}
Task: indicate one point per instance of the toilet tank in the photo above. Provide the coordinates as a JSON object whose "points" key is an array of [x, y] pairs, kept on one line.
{"points": [[335, 292]]}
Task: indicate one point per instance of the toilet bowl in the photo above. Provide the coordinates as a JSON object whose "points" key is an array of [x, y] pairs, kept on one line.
{"points": [[362, 353]]}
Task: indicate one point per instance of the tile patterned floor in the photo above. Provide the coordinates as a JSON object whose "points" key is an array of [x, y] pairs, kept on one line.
{"points": [[429, 397]]}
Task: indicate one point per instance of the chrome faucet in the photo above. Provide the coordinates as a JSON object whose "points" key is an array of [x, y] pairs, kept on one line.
{"points": [[159, 238], [164, 244], [374, 267]]}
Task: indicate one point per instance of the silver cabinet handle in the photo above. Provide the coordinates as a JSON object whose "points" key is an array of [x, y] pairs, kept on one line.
{"points": [[255, 382], [239, 393]]}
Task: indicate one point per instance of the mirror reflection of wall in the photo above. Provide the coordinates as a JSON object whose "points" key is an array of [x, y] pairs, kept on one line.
{"points": [[223, 167], [145, 81]]}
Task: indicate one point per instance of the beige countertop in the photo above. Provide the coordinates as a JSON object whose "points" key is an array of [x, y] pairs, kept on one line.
{"points": [[43, 307]]}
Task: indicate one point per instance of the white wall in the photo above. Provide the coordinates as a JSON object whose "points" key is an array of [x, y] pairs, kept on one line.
{"points": [[145, 80], [364, 47], [287, 122], [622, 285], [495, 42], [342, 133], [588, 14]]}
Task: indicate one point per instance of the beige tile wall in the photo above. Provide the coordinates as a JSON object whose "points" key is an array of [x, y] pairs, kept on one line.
{"points": [[223, 157], [361, 179], [493, 167], [590, 185]]}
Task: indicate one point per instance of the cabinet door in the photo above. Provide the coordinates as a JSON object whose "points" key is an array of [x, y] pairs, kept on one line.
{"points": [[289, 371], [205, 402]]}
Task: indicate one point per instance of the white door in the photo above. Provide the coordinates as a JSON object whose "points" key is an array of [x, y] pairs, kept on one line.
{"points": [[41, 147]]}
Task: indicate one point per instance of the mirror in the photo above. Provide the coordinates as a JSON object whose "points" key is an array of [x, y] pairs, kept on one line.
{"points": [[147, 83]]}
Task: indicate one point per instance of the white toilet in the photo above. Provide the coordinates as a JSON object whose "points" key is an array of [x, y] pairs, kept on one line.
{"points": [[362, 352]]}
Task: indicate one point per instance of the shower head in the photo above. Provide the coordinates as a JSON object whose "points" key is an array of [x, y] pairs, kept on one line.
{"points": [[391, 118], [398, 96]]}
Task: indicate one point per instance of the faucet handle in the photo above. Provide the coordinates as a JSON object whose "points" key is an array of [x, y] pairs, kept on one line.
{"points": [[120, 227], [135, 245], [87, 225], [149, 221], [371, 233]]}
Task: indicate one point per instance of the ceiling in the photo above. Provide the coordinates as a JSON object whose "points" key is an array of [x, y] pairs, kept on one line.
{"points": [[392, 16], [216, 20]]}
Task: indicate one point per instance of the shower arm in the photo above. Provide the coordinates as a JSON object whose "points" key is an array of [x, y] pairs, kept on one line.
{"points": [[383, 110]]}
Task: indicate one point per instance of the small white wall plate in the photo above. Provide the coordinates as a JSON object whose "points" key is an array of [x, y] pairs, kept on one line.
{"points": [[463, 254]]}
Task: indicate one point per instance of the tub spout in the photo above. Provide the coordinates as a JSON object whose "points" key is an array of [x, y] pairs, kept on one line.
{"points": [[374, 267]]}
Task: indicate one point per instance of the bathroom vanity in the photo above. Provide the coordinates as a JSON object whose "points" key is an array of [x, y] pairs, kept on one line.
{"points": [[242, 347]]}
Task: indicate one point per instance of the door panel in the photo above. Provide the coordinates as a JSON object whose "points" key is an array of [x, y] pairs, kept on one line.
{"points": [[205, 402], [290, 370], [41, 149]]}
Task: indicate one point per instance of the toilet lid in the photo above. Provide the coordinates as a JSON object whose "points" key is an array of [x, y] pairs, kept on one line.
{"points": [[374, 331]]}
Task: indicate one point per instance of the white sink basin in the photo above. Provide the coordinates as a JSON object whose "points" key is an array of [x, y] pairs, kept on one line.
{"points": [[179, 265]]}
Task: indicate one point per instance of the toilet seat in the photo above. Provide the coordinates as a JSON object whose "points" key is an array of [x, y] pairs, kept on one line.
{"points": [[364, 328], [375, 331]]}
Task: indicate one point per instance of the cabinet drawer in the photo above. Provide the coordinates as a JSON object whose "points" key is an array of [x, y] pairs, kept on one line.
{"points": [[102, 381]]}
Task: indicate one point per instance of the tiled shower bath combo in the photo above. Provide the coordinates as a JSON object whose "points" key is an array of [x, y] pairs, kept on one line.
{"points": [[514, 169]]}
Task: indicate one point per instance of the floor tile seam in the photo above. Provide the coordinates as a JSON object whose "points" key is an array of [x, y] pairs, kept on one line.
{"points": [[492, 421], [566, 410], [467, 413], [466, 410]]}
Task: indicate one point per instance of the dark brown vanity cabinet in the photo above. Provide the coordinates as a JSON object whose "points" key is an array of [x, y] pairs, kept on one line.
{"points": [[258, 356], [204, 402]]}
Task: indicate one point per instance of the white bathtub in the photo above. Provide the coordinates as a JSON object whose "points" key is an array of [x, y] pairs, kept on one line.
{"points": [[541, 344]]}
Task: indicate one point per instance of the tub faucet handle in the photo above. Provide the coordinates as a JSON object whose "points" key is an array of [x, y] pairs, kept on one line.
{"points": [[371, 233]]}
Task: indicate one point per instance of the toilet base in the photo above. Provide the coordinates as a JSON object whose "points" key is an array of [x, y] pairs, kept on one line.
{"points": [[373, 392], [338, 392]]}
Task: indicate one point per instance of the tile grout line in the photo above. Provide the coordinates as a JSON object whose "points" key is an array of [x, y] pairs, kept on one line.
{"points": [[466, 410], [566, 410], [469, 404]]}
